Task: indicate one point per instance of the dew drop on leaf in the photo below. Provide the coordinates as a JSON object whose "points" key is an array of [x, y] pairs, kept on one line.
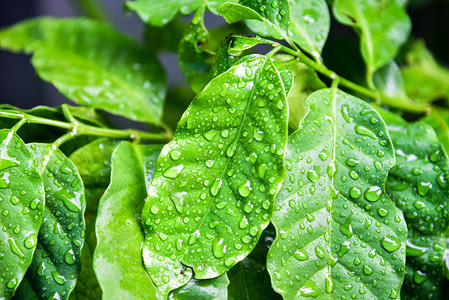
{"points": [[390, 243]]}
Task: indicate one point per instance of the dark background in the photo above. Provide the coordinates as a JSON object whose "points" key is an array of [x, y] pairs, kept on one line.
{"points": [[20, 86]]}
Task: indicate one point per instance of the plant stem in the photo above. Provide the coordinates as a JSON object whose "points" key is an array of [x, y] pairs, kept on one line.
{"points": [[411, 106], [83, 129]]}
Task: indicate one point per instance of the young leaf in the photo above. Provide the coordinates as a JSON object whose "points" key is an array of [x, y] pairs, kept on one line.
{"points": [[309, 24], [424, 78], [212, 194], [102, 68], [419, 186], [274, 12], [192, 58], [117, 258], [338, 234], [383, 27], [249, 279], [159, 13], [260, 22], [21, 207], [56, 262]]}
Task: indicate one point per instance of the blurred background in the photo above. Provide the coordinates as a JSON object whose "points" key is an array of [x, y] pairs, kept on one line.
{"points": [[20, 86]]}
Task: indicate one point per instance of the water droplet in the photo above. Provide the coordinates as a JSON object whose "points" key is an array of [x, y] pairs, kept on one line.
{"points": [[174, 171], [72, 203], [209, 163], [345, 113], [14, 200], [11, 283], [301, 255], [351, 162], [215, 187], [308, 289], [368, 270], [324, 154], [243, 222], [175, 154], [417, 171], [69, 257], [441, 180], [382, 212], [210, 135], [312, 174], [4, 181], [261, 170], [30, 241], [65, 169], [435, 156], [353, 174], [15, 248], [390, 243], [319, 251], [373, 193], [414, 250], [365, 131], [58, 278], [231, 149], [178, 200], [329, 283], [245, 189], [419, 276], [258, 135], [355, 192], [154, 209], [424, 188], [194, 237], [34, 203], [418, 204]]}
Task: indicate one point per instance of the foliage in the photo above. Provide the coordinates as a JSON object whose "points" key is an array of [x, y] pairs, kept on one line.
{"points": [[281, 178]]}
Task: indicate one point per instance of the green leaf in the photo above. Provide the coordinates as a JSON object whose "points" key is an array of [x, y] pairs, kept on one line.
{"points": [[249, 279], [418, 184], [207, 289], [424, 78], [102, 68], [212, 194], [214, 5], [56, 262], [264, 24], [383, 27], [93, 162], [438, 118], [21, 207], [158, 13], [274, 12], [192, 58], [309, 24], [338, 233], [117, 258]]}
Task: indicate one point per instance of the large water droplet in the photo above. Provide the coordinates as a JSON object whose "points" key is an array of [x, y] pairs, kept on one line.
{"points": [[424, 188], [390, 243], [11, 283], [312, 174], [15, 248], [30, 241], [319, 251], [368, 270], [219, 248], [245, 189], [215, 187], [355, 192], [65, 169], [365, 131], [58, 278], [231, 149], [373, 193], [174, 171], [308, 289], [258, 135], [69, 257]]}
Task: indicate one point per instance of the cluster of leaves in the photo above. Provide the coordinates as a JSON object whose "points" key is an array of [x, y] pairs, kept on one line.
{"points": [[282, 179]]}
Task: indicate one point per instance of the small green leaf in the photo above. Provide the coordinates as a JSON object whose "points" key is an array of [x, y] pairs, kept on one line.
{"points": [[424, 78], [309, 24], [102, 68], [56, 262], [276, 12], [207, 289], [225, 162], [338, 233], [262, 23], [158, 13], [21, 210], [419, 185], [249, 279], [383, 27], [117, 258], [192, 58]]}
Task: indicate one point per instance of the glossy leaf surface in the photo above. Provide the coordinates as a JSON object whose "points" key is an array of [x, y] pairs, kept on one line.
{"points": [[249, 279], [206, 289], [383, 27], [309, 24], [192, 58], [117, 258], [56, 262], [419, 186], [102, 68], [338, 233], [225, 162], [21, 210]]}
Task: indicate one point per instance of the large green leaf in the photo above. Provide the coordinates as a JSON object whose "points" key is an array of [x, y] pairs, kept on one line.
{"points": [[192, 57], [419, 186], [383, 27], [212, 194], [424, 78], [21, 206], [102, 68], [117, 258], [158, 13], [309, 24], [339, 236], [249, 279], [56, 262]]}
